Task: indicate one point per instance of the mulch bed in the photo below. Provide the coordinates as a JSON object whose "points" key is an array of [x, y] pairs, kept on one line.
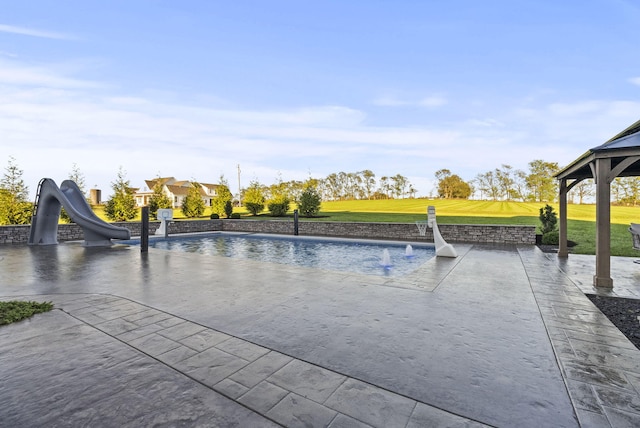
{"points": [[554, 248], [623, 313]]}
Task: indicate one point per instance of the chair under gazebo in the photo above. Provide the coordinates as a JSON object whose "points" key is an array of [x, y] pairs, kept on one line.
{"points": [[618, 157]]}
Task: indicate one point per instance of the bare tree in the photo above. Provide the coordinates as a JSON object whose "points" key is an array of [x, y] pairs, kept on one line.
{"points": [[583, 189], [399, 185], [368, 182], [488, 185]]}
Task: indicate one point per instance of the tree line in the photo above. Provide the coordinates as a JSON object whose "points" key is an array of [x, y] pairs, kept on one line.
{"points": [[508, 184], [343, 186], [500, 184]]}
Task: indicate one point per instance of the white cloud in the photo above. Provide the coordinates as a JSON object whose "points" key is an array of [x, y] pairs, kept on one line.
{"points": [[388, 102], [49, 121], [433, 101], [635, 80], [33, 32], [429, 102], [13, 73]]}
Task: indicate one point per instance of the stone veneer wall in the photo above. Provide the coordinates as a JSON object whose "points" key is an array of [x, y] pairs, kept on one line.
{"points": [[503, 234], [73, 232]]}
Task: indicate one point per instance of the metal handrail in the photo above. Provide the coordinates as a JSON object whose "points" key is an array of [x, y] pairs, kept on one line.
{"points": [[37, 200]]}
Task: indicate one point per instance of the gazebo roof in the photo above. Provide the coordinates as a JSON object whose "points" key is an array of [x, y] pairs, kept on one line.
{"points": [[625, 144]]}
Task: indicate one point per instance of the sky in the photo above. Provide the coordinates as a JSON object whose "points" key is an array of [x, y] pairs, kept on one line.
{"points": [[297, 89]]}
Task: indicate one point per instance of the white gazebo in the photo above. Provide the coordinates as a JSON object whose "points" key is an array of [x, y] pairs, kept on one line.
{"points": [[618, 157]]}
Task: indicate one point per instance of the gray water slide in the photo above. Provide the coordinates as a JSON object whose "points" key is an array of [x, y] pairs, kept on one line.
{"points": [[50, 200]]}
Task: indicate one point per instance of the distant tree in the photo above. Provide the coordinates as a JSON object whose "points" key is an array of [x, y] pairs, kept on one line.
{"points": [[451, 186], [616, 189], [12, 181], [540, 182], [353, 186], [412, 191], [441, 175], [368, 182], [294, 188], [583, 189], [627, 190], [122, 205], [254, 199], [192, 204], [332, 187], [399, 184], [279, 201], [385, 186], [14, 193], [454, 187], [506, 182], [77, 177], [488, 185], [520, 184], [309, 202], [158, 199], [223, 194]]}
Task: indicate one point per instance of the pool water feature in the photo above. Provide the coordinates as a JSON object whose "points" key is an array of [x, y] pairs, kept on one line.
{"points": [[367, 257]]}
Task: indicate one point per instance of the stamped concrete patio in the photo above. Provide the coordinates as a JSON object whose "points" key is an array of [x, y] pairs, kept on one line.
{"points": [[501, 336]]}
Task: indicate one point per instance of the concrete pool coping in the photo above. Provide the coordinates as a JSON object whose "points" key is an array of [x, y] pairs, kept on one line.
{"points": [[503, 336]]}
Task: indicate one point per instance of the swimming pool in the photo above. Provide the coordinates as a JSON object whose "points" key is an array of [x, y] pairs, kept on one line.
{"points": [[324, 253]]}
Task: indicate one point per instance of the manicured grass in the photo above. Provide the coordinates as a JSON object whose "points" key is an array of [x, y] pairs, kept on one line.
{"points": [[487, 209], [13, 311]]}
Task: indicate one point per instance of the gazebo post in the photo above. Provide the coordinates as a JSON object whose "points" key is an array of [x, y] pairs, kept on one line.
{"points": [[602, 278], [563, 250]]}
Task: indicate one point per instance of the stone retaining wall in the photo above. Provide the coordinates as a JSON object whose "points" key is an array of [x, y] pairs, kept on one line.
{"points": [[503, 234], [73, 232]]}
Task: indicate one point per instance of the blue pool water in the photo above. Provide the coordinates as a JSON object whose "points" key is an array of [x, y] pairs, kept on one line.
{"points": [[343, 255]]}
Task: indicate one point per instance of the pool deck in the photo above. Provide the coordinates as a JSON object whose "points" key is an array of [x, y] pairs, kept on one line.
{"points": [[501, 336]]}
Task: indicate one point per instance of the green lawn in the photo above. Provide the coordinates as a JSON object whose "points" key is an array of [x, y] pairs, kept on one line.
{"points": [[581, 218]]}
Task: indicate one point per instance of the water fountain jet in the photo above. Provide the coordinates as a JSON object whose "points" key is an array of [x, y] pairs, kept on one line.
{"points": [[385, 262], [408, 251]]}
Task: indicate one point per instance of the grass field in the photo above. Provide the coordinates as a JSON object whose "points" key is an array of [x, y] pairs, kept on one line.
{"points": [[581, 218]]}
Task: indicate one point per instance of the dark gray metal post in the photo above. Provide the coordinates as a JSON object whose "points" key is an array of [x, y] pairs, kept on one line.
{"points": [[144, 233], [295, 222]]}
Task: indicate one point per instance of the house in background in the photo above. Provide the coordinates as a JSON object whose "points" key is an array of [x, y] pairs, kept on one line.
{"points": [[175, 190]]}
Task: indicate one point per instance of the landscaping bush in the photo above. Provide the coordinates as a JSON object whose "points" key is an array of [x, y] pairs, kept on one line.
{"points": [[13, 311], [235, 215], [254, 207], [278, 209], [549, 219], [193, 205], [279, 205], [309, 204], [551, 238], [215, 216], [228, 208]]}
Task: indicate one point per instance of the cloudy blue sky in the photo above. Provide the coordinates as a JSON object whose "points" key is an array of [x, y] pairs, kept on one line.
{"points": [[193, 88]]}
